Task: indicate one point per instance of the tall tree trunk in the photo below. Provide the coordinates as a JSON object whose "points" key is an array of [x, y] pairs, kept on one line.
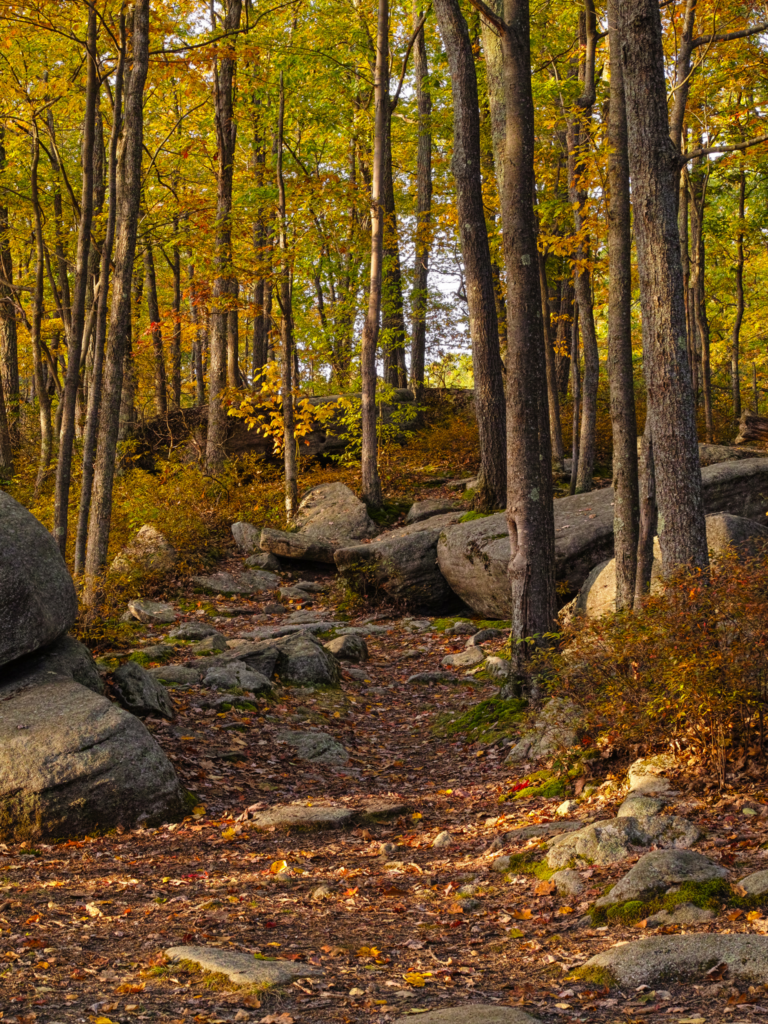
{"points": [[699, 181], [128, 200], [226, 136], [94, 392], [198, 351], [654, 167], [176, 335], [484, 332], [234, 377], [736, 329], [648, 521], [423, 206], [77, 320], [529, 454], [566, 313], [9, 352], [555, 427], [153, 308], [392, 314], [286, 328], [575, 397], [626, 509], [371, 484], [41, 384]]}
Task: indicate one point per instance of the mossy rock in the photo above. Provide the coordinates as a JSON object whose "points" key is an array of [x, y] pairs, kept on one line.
{"points": [[716, 895], [470, 517], [440, 625], [487, 722]]}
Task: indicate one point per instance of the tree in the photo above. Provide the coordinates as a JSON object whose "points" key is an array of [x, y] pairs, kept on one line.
{"points": [[423, 205]]}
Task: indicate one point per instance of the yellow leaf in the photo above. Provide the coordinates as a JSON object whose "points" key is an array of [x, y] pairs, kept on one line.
{"points": [[368, 951], [198, 812], [562, 911], [277, 866], [103, 1020], [445, 792], [416, 816], [228, 833], [415, 979], [754, 915], [522, 915]]}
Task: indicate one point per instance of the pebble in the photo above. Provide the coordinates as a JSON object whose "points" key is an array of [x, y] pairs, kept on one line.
{"points": [[441, 840]]}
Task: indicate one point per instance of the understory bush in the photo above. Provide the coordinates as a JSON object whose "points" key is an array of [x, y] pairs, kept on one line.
{"points": [[688, 671]]}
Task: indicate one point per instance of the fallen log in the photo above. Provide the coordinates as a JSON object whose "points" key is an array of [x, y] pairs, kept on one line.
{"points": [[752, 428]]}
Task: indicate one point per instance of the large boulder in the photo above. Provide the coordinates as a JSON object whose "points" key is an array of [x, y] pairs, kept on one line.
{"points": [[402, 565], [149, 551], [597, 596], [295, 660], [474, 556], [65, 657], [37, 598], [607, 842], [72, 762], [246, 536], [140, 693], [428, 508], [301, 546], [333, 513], [658, 870]]}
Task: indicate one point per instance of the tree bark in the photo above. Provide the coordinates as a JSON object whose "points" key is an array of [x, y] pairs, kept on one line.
{"points": [[699, 181], [529, 455], [40, 371], [77, 319], [153, 308], [739, 273], [654, 167], [392, 311], [286, 327], [176, 334], [128, 200], [648, 522], [555, 427], [575, 396], [423, 206], [626, 511], [371, 483], [9, 352], [484, 331], [226, 136]]}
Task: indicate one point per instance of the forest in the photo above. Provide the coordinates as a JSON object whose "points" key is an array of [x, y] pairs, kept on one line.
{"points": [[383, 496]]}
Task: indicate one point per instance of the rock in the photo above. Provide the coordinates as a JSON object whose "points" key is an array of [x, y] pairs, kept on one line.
{"points": [[568, 882], [273, 608], [303, 617], [680, 958], [501, 864], [498, 668], [72, 762], [607, 842], [547, 828], [302, 816], [473, 1013], [333, 513], [65, 657], [638, 806], [441, 840], [646, 775], [152, 652], [322, 892], [597, 596], [300, 546], [468, 483], [237, 676], [214, 643], [474, 556], [315, 746], [252, 582], [555, 728], [464, 659], [482, 635], [756, 884], [152, 612], [660, 869], [241, 968], [298, 659], [193, 631], [148, 552], [310, 586], [179, 675], [683, 913], [428, 508], [382, 810], [247, 537], [140, 693], [37, 598], [462, 628], [433, 677], [294, 594], [567, 807], [264, 560], [401, 565], [348, 648]]}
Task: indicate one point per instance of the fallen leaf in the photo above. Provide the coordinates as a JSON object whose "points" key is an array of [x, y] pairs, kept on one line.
{"points": [[415, 979], [563, 911], [277, 865], [522, 915], [368, 951], [754, 915], [544, 888]]}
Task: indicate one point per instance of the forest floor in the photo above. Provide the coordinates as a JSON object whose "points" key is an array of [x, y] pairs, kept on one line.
{"points": [[392, 929]]}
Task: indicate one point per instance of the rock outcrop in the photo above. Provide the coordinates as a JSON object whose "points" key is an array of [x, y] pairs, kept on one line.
{"points": [[148, 552]]}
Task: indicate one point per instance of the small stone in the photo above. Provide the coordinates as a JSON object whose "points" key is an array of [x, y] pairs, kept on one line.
{"points": [[568, 882], [193, 631], [322, 892], [264, 560], [469, 905], [358, 674], [461, 628], [273, 608], [464, 659], [139, 693], [498, 668], [348, 648], [354, 992], [482, 636], [311, 586], [567, 807], [756, 884], [315, 746], [501, 863], [242, 968], [294, 594], [237, 676], [441, 840], [152, 611], [638, 806], [303, 816], [213, 644], [152, 652], [178, 675]]}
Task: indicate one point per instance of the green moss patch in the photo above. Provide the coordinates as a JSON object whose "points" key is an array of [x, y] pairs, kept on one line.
{"points": [[597, 976], [527, 863], [487, 722], [390, 511], [440, 625], [716, 895], [469, 517]]}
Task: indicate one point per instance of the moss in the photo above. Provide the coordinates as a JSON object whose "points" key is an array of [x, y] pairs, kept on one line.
{"points": [[486, 722], [715, 895], [440, 625], [140, 658], [598, 976], [469, 517], [389, 512], [555, 787], [527, 863]]}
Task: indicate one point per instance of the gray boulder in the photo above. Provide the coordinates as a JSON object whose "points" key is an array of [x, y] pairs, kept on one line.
{"points": [[401, 565], [140, 693], [176, 675], [428, 508], [607, 842], [152, 612], [37, 598], [568, 882], [241, 968], [333, 513], [148, 552], [193, 631], [660, 869], [756, 884], [300, 546], [469, 658], [252, 582], [214, 643], [348, 648], [298, 659], [65, 657], [247, 537], [474, 556], [237, 676], [683, 913], [72, 762], [264, 560], [314, 746], [555, 728], [680, 958], [638, 806]]}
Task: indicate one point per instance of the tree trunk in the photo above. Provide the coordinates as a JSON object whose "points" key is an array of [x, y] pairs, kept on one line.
{"points": [[153, 308], [423, 207], [626, 510], [699, 181], [94, 392], [563, 333], [77, 320], [226, 136], [200, 338], [286, 328], [529, 455], [654, 167], [41, 384], [392, 315], [648, 521], [234, 377], [9, 352], [736, 330], [555, 427], [575, 396], [484, 332], [371, 483], [128, 201], [176, 335]]}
